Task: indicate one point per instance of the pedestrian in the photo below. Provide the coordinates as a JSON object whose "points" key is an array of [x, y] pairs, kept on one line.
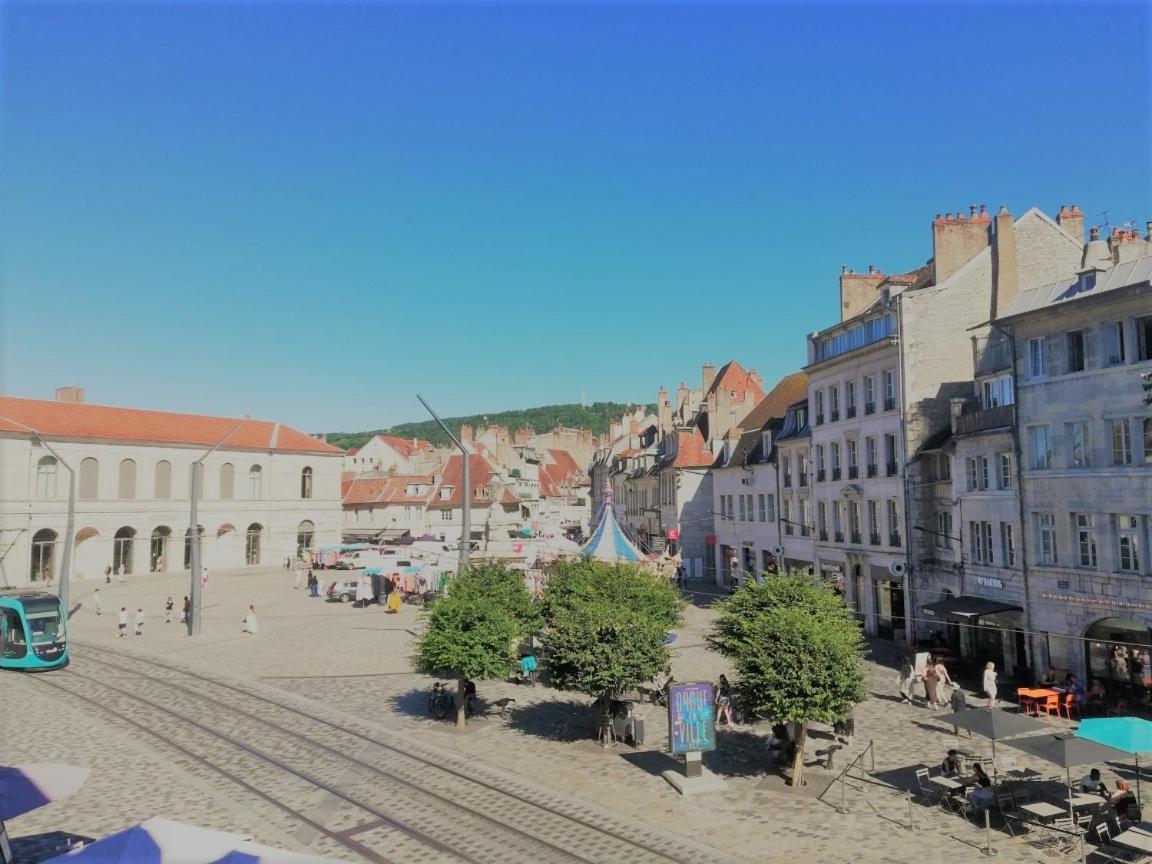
{"points": [[990, 683], [108, 575], [120, 574], [48, 575], [122, 621], [907, 677], [168, 604], [139, 622], [959, 703], [944, 682], [724, 701], [187, 611], [96, 600], [844, 729], [930, 679], [250, 621]]}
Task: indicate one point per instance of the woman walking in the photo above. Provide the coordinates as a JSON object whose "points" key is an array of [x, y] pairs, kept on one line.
{"points": [[724, 701], [931, 679], [250, 625], [168, 604], [943, 682], [990, 683], [186, 611]]}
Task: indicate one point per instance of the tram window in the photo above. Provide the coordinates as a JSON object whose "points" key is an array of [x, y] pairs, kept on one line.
{"points": [[44, 622], [12, 641]]}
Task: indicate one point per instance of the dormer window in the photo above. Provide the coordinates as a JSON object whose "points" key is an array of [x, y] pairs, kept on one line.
{"points": [[802, 417], [766, 441], [445, 493]]}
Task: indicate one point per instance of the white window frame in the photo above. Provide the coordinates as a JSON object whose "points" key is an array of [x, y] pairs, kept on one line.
{"points": [[1087, 553], [1046, 538], [1041, 460], [1128, 537], [1120, 434], [1037, 358]]}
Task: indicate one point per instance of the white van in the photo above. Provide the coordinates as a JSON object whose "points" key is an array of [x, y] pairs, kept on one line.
{"points": [[362, 558]]}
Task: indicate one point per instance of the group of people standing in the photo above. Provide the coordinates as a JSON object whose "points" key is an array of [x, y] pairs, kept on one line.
{"points": [[939, 688]]}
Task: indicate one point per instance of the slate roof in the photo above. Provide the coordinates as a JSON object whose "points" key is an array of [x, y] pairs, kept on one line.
{"points": [[1077, 288]]}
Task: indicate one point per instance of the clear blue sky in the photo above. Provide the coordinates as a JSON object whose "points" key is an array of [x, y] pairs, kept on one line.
{"points": [[310, 211]]}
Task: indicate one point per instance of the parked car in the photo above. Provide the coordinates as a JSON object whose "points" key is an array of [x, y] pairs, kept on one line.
{"points": [[343, 590]]}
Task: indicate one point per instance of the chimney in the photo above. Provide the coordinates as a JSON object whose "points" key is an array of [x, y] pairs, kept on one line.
{"points": [[1071, 220], [956, 241], [1097, 255], [663, 409], [1126, 245], [858, 290], [707, 374], [465, 433], [1005, 273], [70, 394]]}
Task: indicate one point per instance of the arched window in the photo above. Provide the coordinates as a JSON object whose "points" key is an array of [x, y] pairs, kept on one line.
{"points": [[122, 551], [252, 543], [89, 479], [227, 481], [158, 550], [188, 546], [46, 472], [255, 482], [306, 483], [305, 533], [162, 487], [126, 488], [43, 556]]}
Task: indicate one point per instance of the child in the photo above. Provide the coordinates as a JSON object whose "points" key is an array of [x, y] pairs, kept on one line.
{"points": [[168, 610], [139, 622], [122, 621]]}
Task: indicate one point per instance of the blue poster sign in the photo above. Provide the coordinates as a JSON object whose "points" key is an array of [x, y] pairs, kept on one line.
{"points": [[691, 717]]}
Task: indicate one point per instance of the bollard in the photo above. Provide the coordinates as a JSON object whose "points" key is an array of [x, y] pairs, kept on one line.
{"points": [[909, 794], [988, 850], [843, 793]]}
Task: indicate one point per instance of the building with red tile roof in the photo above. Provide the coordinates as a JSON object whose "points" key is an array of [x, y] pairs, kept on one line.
{"points": [[384, 453]]}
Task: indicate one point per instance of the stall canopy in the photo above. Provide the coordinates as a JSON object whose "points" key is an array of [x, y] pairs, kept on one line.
{"points": [[965, 608], [610, 541]]}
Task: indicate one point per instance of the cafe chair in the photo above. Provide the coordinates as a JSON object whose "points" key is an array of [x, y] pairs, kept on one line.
{"points": [[1027, 703], [1050, 706], [1070, 705]]}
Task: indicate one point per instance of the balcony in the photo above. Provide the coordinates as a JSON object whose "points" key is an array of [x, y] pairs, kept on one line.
{"points": [[838, 537], [890, 403], [873, 470], [891, 470], [855, 538], [874, 539], [823, 535], [850, 411], [869, 407], [819, 475], [1000, 417], [853, 472], [894, 540], [835, 473], [786, 482], [833, 416], [805, 531]]}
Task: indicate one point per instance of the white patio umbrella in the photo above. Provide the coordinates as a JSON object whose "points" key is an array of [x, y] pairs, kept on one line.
{"points": [[254, 853], [156, 841], [27, 787]]}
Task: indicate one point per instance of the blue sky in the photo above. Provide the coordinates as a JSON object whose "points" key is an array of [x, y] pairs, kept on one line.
{"points": [[310, 211]]}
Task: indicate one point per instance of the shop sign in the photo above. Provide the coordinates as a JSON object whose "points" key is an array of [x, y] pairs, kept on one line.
{"points": [[691, 725], [1077, 600], [989, 582], [673, 534], [710, 539]]}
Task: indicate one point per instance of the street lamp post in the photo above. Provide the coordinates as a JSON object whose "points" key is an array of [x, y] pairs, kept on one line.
{"points": [[70, 523], [195, 475], [466, 513]]}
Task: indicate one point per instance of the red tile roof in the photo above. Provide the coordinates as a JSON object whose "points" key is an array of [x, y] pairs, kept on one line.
{"points": [[734, 378], [346, 478], [566, 461], [389, 489], [101, 422], [691, 452], [351, 451], [481, 472], [405, 446]]}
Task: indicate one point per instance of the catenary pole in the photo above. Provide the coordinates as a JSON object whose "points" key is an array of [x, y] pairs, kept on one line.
{"points": [[195, 477], [466, 514]]}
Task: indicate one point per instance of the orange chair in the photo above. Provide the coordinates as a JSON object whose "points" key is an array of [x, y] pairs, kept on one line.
{"points": [[1070, 705], [1027, 703], [1050, 705]]}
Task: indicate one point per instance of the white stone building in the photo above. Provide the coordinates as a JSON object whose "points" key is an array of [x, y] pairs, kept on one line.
{"points": [[268, 491], [384, 453]]}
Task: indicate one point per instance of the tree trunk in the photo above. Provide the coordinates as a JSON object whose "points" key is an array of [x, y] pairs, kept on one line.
{"points": [[461, 704], [798, 763]]}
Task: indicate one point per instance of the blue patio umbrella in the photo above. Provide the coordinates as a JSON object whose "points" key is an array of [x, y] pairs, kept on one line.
{"points": [[26, 787], [1133, 735], [156, 841]]}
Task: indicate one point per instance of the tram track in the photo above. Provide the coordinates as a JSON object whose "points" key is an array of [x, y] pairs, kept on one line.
{"points": [[523, 826]]}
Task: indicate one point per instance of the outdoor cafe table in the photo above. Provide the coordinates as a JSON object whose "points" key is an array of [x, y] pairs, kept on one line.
{"points": [[1033, 695], [1044, 810], [1081, 800], [946, 783], [1138, 837]]}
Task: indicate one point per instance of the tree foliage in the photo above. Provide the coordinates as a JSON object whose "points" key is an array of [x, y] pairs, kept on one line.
{"points": [[596, 417], [796, 648]]}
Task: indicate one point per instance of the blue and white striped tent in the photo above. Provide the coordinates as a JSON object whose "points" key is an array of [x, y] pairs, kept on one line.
{"points": [[610, 541]]}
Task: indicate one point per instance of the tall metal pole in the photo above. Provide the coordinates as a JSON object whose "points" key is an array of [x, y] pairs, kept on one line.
{"points": [[466, 516], [65, 573], [195, 478]]}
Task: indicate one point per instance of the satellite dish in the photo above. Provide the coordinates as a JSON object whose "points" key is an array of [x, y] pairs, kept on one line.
{"points": [[898, 568]]}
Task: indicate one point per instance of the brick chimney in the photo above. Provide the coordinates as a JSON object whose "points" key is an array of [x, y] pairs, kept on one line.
{"points": [[70, 394], [1005, 273], [957, 239], [857, 290], [1126, 245], [465, 433], [707, 374], [663, 409], [1071, 220], [1097, 255]]}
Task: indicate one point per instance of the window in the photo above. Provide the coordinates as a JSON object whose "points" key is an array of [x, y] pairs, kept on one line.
{"points": [[943, 530], [1008, 544], [819, 407], [771, 500], [853, 460], [252, 544], [1074, 351], [162, 481], [1144, 338], [980, 542], [1148, 440], [889, 390], [306, 533], [984, 472], [997, 391], [893, 522], [945, 467], [870, 456], [862, 334], [1046, 526], [833, 404], [306, 483], [1121, 442], [255, 482], [1037, 357], [761, 508], [1128, 536], [838, 521], [228, 482], [126, 487], [786, 515], [803, 469], [822, 519], [873, 523], [819, 463], [850, 398], [973, 474], [89, 479], [834, 449], [1077, 445], [1006, 478], [805, 518], [47, 470], [445, 515], [890, 454], [743, 513], [1041, 447], [1085, 525], [870, 394], [854, 521], [1114, 343], [786, 471]]}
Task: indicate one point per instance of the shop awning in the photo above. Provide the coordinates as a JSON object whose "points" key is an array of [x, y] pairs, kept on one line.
{"points": [[965, 608]]}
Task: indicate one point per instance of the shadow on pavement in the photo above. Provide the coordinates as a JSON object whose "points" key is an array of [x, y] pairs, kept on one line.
{"points": [[738, 753], [564, 720], [653, 761]]}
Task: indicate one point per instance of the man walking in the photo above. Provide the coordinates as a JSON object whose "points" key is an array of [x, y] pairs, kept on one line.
{"points": [[907, 680], [122, 621], [139, 622], [168, 604], [96, 600]]}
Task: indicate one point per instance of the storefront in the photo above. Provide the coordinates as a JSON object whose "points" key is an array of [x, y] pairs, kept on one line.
{"points": [[1117, 654], [979, 630], [889, 605]]}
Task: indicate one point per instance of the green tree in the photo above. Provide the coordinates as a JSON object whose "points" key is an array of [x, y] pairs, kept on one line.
{"points": [[474, 632], [606, 630], [797, 651]]}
